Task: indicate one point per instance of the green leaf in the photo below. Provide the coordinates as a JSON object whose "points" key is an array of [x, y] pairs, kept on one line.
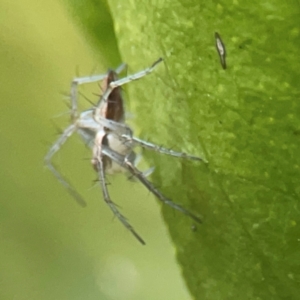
{"points": [[95, 20], [243, 120]]}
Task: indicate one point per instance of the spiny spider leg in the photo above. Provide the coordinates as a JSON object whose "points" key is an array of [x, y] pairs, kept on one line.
{"points": [[128, 164], [121, 82], [88, 123], [159, 149], [125, 132], [48, 161], [141, 177], [87, 79], [117, 127], [107, 199]]}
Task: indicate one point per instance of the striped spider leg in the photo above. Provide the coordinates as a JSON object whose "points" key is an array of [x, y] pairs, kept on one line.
{"points": [[134, 141], [102, 164], [127, 162]]}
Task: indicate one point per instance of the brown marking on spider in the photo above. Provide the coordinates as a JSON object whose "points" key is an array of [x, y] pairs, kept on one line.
{"points": [[113, 108]]}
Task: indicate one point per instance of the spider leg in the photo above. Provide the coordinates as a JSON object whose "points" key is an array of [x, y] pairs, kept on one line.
{"points": [[123, 81], [87, 121], [108, 200], [117, 127], [88, 124], [83, 80], [159, 149], [129, 165], [120, 68], [92, 124], [141, 177], [48, 161]]}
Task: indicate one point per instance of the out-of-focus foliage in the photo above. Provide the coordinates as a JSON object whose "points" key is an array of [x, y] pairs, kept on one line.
{"points": [[94, 19], [50, 247]]}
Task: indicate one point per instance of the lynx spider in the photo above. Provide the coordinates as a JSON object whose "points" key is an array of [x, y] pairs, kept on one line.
{"points": [[104, 129]]}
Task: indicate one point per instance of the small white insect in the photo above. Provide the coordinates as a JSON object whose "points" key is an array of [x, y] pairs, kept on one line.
{"points": [[221, 50], [104, 129]]}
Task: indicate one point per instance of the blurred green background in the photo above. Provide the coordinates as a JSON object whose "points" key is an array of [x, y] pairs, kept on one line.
{"points": [[50, 247]]}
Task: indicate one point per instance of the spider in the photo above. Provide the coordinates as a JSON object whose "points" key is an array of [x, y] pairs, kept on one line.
{"points": [[104, 129]]}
